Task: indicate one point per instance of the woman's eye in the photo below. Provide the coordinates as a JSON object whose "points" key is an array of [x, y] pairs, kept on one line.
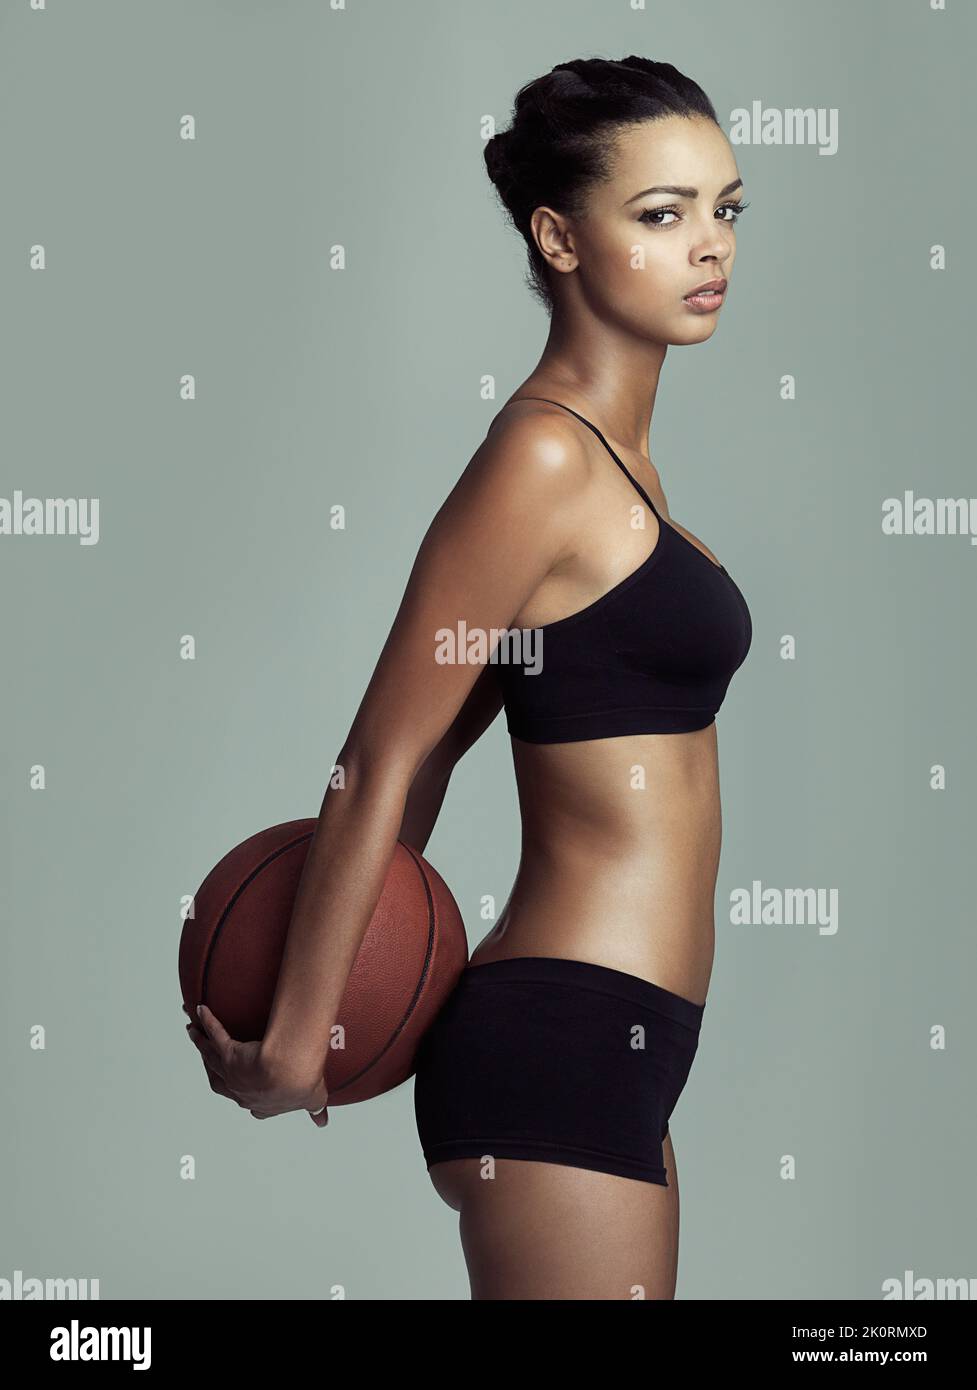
{"points": [[651, 213]]}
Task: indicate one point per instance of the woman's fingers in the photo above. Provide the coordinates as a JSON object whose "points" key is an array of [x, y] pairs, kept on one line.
{"points": [[218, 1085], [319, 1112], [214, 1028], [207, 1050], [214, 1066]]}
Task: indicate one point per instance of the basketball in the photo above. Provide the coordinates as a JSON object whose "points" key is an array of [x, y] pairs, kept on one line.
{"points": [[409, 960]]}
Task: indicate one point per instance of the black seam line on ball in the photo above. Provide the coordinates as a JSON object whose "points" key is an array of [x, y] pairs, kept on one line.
{"points": [[283, 849]]}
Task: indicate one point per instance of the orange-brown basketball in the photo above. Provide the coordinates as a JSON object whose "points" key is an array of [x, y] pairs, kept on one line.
{"points": [[409, 960]]}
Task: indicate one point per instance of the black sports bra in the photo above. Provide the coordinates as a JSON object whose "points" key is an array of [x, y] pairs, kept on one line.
{"points": [[654, 655]]}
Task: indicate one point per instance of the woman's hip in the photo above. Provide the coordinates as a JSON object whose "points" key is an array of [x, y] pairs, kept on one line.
{"points": [[555, 1059]]}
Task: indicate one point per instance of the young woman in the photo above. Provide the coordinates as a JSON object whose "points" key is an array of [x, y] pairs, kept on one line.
{"points": [[544, 1089]]}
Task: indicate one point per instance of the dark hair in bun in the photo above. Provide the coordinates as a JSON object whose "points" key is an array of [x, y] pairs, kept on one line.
{"points": [[562, 134]]}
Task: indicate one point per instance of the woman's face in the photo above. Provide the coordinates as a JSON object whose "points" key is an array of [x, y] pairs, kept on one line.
{"points": [[660, 226]]}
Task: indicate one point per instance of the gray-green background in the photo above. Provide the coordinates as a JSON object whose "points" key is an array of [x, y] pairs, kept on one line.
{"points": [[363, 387]]}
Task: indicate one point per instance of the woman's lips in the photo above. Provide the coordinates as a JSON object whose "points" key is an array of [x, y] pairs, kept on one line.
{"points": [[705, 301], [708, 296]]}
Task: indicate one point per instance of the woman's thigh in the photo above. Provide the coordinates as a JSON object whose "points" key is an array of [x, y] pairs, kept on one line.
{"points": [[546, 1231]]}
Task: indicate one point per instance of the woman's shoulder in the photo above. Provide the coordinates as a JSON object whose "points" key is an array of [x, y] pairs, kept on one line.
{"points": [[528, 408], [534, 444]]}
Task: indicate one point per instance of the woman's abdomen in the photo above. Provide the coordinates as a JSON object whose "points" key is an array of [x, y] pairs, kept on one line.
{"points": [[620, 852]]}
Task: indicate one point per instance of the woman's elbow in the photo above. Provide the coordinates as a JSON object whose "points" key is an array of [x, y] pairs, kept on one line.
{"points": [[360, 765]]}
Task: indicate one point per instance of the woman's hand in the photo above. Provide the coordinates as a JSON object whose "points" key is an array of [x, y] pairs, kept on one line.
{"points": [[246, 1074]]}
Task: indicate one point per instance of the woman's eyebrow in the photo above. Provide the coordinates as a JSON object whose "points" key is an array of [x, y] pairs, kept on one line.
{"points": [[684, 192]]}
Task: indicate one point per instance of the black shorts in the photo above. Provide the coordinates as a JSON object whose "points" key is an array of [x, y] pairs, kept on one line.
{"points": [[559, 1061]]}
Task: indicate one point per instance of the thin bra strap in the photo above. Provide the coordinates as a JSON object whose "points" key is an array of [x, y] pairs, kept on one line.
{"points": [[623, 467]]}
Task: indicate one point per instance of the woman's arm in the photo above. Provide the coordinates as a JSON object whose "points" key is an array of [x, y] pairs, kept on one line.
{"points": [[424, 802], [428, 788], [506, 523]]}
